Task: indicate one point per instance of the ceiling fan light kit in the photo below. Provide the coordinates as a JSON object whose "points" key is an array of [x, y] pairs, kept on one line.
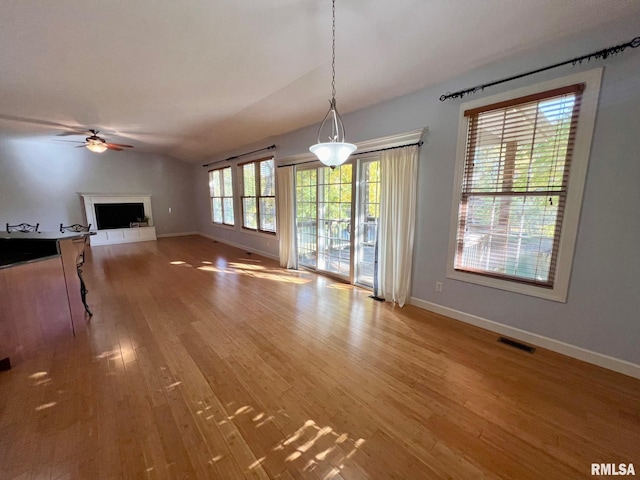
{"points": [[336, 151], [97, 144]]}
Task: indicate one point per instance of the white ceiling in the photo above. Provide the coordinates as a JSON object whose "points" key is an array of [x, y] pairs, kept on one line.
{"points": [[196, 78]]}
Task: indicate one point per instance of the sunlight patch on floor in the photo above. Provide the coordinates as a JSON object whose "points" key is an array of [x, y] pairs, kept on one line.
{"points": [[332, 474], [256, 271], [209, 268], [257, 463], [311, 443], [322, 444], [44, 406], [244, 266], [341, 286], [40, 378], [172, 386], [110, 354]]}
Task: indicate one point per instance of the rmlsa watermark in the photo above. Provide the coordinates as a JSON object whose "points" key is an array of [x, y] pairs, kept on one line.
{"points": [[605, 469]]}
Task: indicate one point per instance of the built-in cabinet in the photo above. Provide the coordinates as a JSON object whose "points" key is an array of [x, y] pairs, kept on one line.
{"points": [[123, 235], [110, 236]]}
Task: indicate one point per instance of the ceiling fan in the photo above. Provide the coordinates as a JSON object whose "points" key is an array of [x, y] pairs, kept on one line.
{"points": [[98, 144]]}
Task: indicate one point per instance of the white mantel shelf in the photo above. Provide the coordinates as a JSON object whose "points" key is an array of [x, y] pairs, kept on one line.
{"points": [[118, 235]]}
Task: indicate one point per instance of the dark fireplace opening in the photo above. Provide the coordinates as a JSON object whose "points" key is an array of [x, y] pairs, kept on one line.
{"points": [[118, 215]]}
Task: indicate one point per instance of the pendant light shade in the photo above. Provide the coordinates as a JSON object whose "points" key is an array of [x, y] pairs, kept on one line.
{"points": [[333, 154], [335, 151]]}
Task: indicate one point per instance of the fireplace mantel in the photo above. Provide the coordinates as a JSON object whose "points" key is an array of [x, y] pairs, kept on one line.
{"points": [[117, 235]]}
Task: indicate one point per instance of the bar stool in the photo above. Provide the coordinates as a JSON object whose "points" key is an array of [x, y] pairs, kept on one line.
{"points": [[76, 227], [22, 227]]}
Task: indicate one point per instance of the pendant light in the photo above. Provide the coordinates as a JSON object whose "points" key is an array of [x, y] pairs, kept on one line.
{"points": [[336, 151]]}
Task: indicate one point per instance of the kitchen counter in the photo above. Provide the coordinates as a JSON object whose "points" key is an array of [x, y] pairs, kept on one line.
{"points": [[17, 247], [40, 296]]}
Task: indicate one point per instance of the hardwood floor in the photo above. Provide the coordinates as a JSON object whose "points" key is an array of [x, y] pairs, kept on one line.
{"points": [[202, 361]]}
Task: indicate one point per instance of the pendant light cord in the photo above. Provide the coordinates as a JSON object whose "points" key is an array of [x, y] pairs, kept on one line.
{"points": [[333, 55], [336, 151]]}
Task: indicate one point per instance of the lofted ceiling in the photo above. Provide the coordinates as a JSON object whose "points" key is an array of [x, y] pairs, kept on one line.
{"points": [[197, 78]]}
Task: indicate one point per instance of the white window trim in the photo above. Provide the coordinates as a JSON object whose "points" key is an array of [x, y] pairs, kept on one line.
{"points": [[577, 177]]}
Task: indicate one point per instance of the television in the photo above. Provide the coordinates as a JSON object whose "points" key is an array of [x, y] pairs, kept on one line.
{"points": [[118, 215]]}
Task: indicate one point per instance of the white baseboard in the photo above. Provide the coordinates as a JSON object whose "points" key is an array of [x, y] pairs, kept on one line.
{"points": [[241, 247], [605, 361], [182, 234]]}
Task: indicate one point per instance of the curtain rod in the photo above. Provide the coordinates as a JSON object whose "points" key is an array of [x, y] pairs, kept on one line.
{"points": [[604, 53], [419, 144], [270, 147]]}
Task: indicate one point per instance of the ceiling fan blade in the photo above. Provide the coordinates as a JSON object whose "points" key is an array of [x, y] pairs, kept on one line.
{"points": [[69, 141], [111, 146], [120, 145], [72, 132], [81, 146]]}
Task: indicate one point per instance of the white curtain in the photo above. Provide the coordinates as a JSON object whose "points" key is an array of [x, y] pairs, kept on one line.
{"points": [[287, 217], [398, 175]]}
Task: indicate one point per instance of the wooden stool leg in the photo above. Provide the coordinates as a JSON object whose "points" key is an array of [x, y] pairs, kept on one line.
{"points": [[83, 292]]}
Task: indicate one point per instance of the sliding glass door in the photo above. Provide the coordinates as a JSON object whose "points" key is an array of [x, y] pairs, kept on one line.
{"points": [[333, 235], [324, 219], [307, 217], [367, 220], [334, 220]]}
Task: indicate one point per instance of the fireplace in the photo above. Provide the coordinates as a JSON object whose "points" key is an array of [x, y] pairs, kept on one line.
{"points": [[119, 218]]}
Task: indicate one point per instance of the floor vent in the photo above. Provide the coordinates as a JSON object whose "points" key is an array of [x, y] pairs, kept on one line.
{"points": [[516, 344]]}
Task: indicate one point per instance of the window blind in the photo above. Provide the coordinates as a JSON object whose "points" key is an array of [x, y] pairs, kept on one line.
{"points": [[515, 180], [258, 198], [221, 193]]}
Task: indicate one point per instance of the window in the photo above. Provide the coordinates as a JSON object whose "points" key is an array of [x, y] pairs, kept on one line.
{"points": [[221, 192], [331, 228], [258, 195], [368, 215], [324, 218], [337, 210], [514, 205], [307, 216]]}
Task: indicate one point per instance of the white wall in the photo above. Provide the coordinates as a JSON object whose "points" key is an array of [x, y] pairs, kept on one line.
{"points": [[602, 313], [40, 181]]}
